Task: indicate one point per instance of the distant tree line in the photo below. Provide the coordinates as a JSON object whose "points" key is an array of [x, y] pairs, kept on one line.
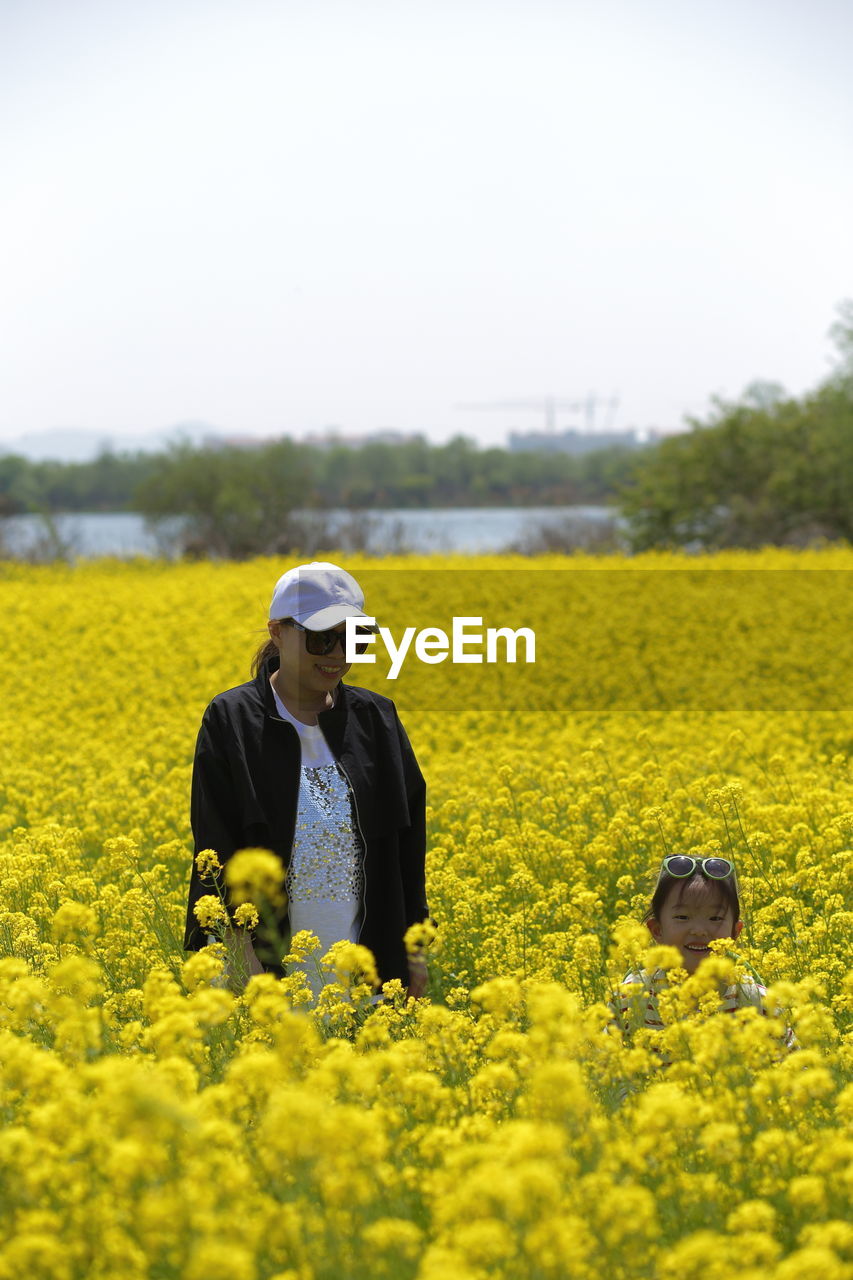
{"points": [[187, 478], [106, 483], [766, 469]]}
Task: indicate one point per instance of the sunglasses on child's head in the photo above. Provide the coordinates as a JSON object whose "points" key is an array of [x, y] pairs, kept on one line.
{"points": [[321, 643], [680, 865]]}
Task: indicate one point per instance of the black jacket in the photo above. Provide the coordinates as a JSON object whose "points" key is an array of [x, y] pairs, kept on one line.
{"points": [[246, 785]]}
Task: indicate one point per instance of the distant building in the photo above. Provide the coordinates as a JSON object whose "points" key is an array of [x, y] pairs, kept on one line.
{"points": [[574, 441], [332, 437]]}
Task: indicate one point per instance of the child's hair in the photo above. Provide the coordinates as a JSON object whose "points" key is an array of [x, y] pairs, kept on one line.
{"points": [[666, 882]]}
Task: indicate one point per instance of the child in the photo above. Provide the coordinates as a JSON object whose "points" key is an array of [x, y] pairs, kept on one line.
{"points": [[694, 903]]}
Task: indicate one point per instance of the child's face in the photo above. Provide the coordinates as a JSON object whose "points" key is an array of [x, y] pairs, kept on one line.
{"points": [[691, 917]]}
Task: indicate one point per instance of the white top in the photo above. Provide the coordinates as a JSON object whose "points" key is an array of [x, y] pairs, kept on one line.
{"points": [[325, 879]]}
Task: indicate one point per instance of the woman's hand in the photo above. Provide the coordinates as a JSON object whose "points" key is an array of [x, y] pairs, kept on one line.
{"points": [[241, 962], [418, 976]]}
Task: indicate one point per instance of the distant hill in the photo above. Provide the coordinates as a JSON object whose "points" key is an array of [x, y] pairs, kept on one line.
{"points": [[79, 445]]}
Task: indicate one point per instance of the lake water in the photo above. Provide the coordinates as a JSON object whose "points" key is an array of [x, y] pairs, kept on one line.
{"points": [[465, 529]]}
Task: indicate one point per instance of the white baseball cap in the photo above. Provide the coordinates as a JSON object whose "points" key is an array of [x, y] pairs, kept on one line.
{"points": [[317, 595]]}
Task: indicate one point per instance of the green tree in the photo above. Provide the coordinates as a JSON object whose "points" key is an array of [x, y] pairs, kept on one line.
{"points": [[235, 502], [18, 490], [767, 469]]}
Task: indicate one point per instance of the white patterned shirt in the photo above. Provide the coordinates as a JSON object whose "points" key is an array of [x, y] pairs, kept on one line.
{"points": [[325, 878]]}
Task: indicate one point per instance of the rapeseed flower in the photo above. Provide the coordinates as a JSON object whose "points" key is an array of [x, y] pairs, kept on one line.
{"points": [[255, 875], [505, 1127]]}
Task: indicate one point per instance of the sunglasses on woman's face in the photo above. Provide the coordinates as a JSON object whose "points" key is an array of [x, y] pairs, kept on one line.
{"points": [[681, 865], [321, 643]]}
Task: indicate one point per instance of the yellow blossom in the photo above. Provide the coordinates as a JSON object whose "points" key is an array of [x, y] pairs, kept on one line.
{"points": [[246, 915], [208, 864], [211, 913], [255, 875]]}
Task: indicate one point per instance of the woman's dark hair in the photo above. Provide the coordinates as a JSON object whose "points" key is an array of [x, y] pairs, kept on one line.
{"points": [[266, 649], [666, 882]]}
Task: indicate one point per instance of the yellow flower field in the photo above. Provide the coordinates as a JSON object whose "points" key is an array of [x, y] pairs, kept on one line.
{"points": [[157, 1125]]}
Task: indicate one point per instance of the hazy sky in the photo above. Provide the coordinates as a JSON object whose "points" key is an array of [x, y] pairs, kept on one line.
{"points": [[280, 215]]}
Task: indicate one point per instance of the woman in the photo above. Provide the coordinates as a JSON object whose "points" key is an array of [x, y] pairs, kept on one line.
{"points": [[322, 774]]}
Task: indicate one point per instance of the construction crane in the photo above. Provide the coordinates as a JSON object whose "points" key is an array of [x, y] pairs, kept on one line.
{"points": [[550, 405]]}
